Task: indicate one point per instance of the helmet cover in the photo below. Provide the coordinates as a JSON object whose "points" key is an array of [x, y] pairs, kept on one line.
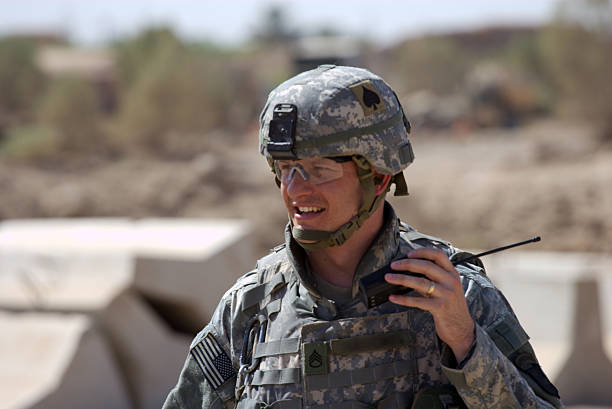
{"points": [[341, 111]]}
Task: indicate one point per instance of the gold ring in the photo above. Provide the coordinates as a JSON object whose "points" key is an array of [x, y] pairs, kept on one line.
{"points": [[430, 290]]}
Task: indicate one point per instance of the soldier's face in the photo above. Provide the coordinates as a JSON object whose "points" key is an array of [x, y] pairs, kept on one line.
{"points": [[325, 206]]}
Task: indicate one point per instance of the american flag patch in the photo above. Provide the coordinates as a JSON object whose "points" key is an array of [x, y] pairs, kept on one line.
{"points": [[213, 361]]}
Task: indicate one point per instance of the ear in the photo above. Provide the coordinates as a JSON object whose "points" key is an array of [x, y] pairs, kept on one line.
{"points": [[382, 182]]}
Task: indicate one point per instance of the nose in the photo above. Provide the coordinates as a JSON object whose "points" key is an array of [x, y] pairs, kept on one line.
{"points": [[297, 185]]}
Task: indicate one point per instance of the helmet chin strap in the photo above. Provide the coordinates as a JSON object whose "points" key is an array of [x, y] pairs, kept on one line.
{"points": [[318, 239]]}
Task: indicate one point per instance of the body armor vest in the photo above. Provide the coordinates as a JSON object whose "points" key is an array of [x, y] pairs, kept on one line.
{"points": [[302, 352], [299, 350]]}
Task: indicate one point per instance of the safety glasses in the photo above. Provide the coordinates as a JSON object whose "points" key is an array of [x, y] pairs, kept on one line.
{"points": [[314, 170]]}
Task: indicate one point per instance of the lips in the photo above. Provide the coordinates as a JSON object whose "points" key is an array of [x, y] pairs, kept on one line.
{"points": [[308, 209], [307, 213]]}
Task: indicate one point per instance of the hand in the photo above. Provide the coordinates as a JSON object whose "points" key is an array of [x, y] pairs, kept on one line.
{"points": [[445, 301]]}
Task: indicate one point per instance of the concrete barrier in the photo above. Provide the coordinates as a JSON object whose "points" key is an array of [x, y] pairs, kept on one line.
{"points": [[122, 275], [564, 302], [117, 291], [586, 376], [184, 282], [57, 361], [149, 354]]}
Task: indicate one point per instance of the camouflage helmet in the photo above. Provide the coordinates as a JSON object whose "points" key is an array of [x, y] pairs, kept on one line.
{"points": [[337, 111], [340, 111]]}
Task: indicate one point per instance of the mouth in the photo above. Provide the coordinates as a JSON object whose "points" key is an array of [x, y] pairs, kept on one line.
{"points": [[308, 210], [307, 213]]}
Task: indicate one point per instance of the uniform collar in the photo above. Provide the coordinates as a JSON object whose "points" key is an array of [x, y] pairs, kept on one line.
{"points": [[297, 257], [382, 251]]}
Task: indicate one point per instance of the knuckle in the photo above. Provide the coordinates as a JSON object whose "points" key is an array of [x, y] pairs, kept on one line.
{"points": [[456, 286], [444, 295], [444, 305]]}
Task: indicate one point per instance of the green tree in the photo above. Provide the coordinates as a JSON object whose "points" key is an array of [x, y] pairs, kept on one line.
{"points": [[134, 55], [174, 93], [67, 123], [70, 110], [178, 94], [577, 47], [21, 82]]}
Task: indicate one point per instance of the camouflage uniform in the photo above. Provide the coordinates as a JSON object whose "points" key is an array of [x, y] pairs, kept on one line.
{"points": [[378, 357], [275, 341]]}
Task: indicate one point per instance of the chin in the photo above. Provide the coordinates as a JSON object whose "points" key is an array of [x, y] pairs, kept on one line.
{"points": [[309, 227]]}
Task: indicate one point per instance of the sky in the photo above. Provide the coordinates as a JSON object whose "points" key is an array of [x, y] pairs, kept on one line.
{"points": [[232, 22]]}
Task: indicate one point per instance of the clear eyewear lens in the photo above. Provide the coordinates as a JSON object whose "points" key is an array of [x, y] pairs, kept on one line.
{"points": [[316, 171]]}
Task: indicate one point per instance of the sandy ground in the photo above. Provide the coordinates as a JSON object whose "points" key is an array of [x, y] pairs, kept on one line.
{"points": [[478, 190]]}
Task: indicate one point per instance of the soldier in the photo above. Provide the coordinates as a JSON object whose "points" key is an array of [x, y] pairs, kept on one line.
{"points": [[308, 328]]}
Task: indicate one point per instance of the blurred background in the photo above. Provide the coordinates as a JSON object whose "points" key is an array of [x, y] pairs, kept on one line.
{"points": [[145, 110], [150, 109]]}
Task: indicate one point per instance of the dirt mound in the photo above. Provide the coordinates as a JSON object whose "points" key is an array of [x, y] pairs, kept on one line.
{"points": [[484, 190], [478, 190]]}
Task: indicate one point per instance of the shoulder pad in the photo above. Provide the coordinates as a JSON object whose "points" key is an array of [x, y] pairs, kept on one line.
{"points": [[460, 254], [278, 248], [268, 265], [411, 234], [270, 278]]}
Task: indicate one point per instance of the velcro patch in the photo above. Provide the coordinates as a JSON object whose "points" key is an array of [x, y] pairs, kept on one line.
{"points": [[369, 97], [213, 361], [315, 356]]}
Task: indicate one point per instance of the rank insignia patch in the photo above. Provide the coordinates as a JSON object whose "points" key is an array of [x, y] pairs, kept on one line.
{"points": [[369, 97], [315, 358], [213, 361]]}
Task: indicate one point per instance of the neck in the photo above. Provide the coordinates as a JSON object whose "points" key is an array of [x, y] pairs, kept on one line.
{"points": [[337, 264]]}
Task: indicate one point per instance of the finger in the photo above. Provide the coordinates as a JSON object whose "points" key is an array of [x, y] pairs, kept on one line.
{"points": [[420, 266], [434, 255], [426, 304], [421, 285]]}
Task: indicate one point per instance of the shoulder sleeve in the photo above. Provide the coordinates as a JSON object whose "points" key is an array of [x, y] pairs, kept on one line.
{"points": [[208, 377], [502, 370]]}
